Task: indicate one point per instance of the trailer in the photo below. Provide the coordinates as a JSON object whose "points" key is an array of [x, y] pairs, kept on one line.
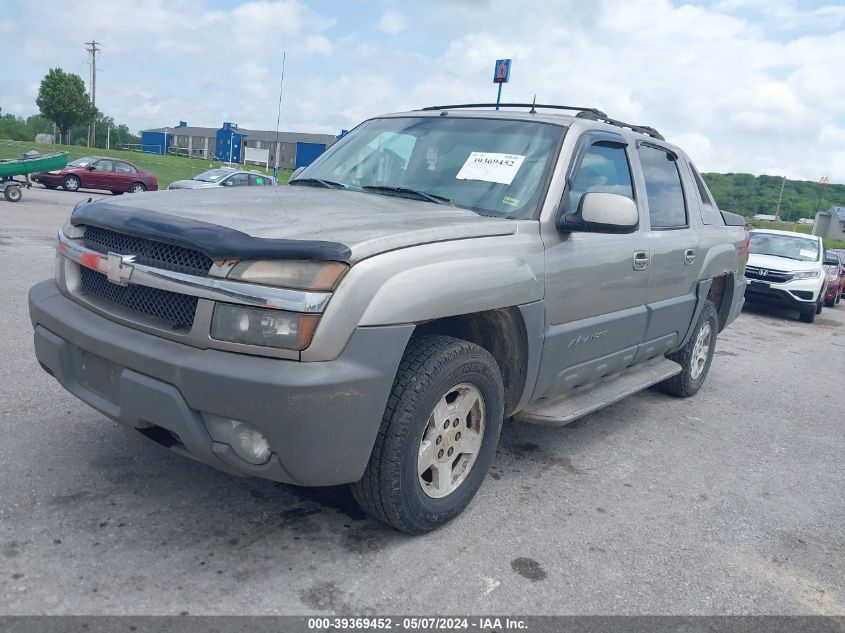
{"points": [[27, 164]]}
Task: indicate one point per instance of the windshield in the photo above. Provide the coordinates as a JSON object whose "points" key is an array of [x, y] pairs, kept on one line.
{"points": [[213, 175], [494, 167], [801, 248], [82, 162]]}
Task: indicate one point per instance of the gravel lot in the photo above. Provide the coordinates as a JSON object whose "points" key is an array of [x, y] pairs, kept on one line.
{"points": [[729, 502]]}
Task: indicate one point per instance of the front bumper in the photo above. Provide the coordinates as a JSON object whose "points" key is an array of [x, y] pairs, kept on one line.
{"points": [[43, 178], [784, 295], [320, 418]]}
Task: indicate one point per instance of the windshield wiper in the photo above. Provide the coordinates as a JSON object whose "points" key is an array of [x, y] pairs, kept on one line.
{"points": [[317, 182], [407, 191]]}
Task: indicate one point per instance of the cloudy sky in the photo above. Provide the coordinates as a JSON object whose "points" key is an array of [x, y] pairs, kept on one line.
{"points": [[743, 85]]}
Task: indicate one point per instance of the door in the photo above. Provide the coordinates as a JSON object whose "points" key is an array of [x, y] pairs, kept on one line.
{"points": [[236, 180], [674, 246], [99, 175], [596, 283], [125, 175]]}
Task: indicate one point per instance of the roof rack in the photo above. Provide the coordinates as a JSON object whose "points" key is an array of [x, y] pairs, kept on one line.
{"points": [[583, 113]]}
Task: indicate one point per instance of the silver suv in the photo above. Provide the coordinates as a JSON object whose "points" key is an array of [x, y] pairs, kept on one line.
{"points": [[431, 275]]}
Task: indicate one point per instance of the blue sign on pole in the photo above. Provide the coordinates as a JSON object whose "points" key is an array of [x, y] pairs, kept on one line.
{"points": [[501, 75], [502, 72]]}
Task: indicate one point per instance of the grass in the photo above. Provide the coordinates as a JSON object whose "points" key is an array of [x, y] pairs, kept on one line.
{"points": [[167, 168]]}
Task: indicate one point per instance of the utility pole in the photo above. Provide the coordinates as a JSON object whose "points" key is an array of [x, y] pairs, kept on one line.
{"points": [[780, 197], [93, 50]]}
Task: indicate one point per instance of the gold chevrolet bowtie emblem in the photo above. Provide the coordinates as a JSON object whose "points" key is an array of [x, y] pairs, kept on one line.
{"points": [[119, 268]]}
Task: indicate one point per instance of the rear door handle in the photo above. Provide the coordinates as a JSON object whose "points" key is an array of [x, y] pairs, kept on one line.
{"points": [[641, 260], [689, 256]]}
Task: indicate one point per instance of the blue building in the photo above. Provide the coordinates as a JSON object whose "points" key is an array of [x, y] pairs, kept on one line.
{"points": [[229, 144]]}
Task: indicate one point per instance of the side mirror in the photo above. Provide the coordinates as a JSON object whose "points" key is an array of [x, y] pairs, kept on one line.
{"points": [[228, 183], [296, 172], [602, 213], [831, 260], [90, 167]]}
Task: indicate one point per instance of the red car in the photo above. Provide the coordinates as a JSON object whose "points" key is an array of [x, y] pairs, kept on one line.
{"points": [[98, 172], [835, 280]]}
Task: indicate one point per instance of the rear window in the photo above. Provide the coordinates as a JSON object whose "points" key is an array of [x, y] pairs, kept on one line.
{"points": [[710, 213]]}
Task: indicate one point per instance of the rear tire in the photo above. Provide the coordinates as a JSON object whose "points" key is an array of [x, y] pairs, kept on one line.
{"points": [[695, 357], [71, 183], [403, 484]]}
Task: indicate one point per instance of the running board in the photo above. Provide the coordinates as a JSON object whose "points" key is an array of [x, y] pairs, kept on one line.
{"points": [[589, 398]]}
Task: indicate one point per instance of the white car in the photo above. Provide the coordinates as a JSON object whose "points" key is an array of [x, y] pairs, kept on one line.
{"points": [[787, 269]]}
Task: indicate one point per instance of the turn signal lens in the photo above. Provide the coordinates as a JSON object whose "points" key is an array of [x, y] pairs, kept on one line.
{"points": [[301, 275]]}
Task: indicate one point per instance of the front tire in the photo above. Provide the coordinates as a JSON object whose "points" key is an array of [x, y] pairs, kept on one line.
{"points": [[695, 357], [137, 187], [71, 183], [438, 435], [808, 317]]}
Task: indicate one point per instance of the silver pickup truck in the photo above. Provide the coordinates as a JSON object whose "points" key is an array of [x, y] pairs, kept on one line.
{"points": [[432, 274]]}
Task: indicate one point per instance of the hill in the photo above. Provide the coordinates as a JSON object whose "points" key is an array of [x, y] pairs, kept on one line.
{"points": [[747, 194]]}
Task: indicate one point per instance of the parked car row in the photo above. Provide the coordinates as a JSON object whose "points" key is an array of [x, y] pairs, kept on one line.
{"points": [[121, 176], [793, 271]]}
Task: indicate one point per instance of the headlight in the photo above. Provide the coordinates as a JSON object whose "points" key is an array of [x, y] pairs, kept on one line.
{"points": [[806, 274], [302, 275], [268, 328]]}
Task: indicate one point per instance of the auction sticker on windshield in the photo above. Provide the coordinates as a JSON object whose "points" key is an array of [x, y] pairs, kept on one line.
{"points": [[491, 167], [804, 252]]}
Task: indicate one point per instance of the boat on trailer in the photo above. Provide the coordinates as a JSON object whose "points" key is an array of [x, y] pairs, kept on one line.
{"points": [[27, 164]]}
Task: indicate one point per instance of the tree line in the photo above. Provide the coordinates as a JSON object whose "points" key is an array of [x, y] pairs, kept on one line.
{"points": [[747, 194]]}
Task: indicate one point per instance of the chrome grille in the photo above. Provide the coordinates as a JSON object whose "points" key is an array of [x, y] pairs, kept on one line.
{"points": [[766, 274], [177, 310], [148, 252]]}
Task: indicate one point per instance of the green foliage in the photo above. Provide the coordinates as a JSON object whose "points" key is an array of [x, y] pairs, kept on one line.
{"points": [[63, 100], [119, 136], [747, 195], [20, 129]]}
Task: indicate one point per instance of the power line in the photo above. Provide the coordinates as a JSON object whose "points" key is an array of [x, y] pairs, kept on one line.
{"points": [[93, 50]]}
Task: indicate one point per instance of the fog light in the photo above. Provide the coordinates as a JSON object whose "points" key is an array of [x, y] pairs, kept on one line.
{"points": [[247, 442]]}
